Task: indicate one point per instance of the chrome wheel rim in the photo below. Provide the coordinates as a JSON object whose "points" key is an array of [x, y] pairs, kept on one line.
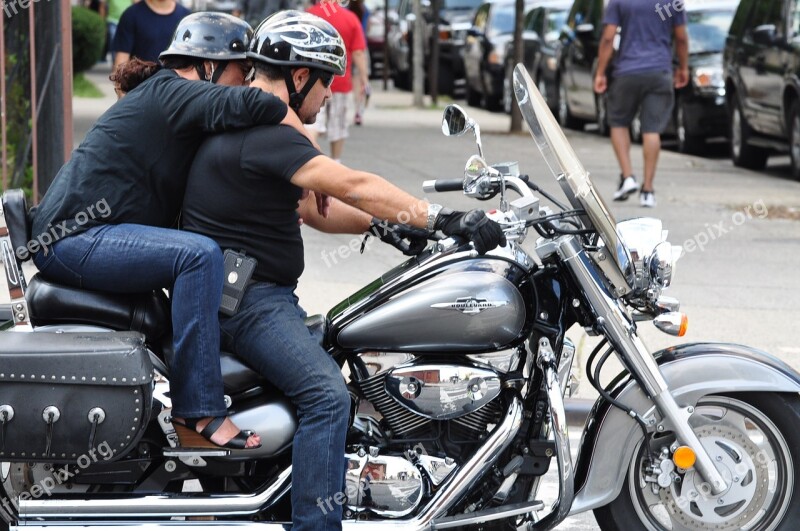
{"points": [[752, 456], [563, 109], [736, 133]]}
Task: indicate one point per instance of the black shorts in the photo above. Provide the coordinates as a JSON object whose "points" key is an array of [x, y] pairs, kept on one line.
{"points": [[651, 92]]}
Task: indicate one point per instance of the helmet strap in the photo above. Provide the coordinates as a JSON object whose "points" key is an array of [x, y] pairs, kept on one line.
{"points": [[296, 98], [217, 73]]}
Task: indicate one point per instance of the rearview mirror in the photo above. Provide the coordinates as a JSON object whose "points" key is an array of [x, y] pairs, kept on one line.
{"points": [[584, 29], [766, 34], [455, 121]]}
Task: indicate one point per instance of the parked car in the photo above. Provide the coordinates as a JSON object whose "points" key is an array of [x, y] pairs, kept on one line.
{"points": [[375, 30], [700, 110], [450, 28], [762, 81], [576, 102], [541, 29], [484, 52]]}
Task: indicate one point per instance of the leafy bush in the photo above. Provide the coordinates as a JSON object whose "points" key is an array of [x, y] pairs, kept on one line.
{"points": [[88, 38]]}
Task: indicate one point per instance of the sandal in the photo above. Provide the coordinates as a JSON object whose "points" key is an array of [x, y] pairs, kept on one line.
{"points": [[189, 437]]}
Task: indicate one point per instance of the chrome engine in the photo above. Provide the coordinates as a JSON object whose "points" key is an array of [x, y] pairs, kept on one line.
{"points": [[407, 397]]}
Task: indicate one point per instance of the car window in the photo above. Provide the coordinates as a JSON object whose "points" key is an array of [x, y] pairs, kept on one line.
{"points": [[502, 20], [742, 17], [577, 15], [794, 20], [767, 12], [534, 20], [708, 30], [553, 25], [481, 16]]}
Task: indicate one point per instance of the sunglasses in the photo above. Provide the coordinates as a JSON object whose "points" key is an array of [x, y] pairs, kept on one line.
{"points": [[326, 78]]}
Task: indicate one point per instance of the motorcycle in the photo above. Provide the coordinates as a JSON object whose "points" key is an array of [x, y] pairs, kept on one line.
{"points": [[458, 366]]}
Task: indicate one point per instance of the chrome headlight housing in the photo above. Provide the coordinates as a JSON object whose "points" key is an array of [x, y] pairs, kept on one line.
{"points": [[653, 257]]}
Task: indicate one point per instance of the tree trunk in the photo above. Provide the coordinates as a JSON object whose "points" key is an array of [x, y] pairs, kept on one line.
{"points": [[417, 66]]}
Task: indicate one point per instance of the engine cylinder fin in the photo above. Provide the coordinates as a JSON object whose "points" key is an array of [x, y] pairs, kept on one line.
{"points": [[400, 420]]}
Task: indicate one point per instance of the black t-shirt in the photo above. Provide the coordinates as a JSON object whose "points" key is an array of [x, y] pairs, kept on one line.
{"points": [[240, 195], [136, 157], [143, 33]]}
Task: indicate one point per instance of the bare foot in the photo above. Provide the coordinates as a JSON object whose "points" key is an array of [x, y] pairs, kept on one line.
{"points": [[226, 432]]}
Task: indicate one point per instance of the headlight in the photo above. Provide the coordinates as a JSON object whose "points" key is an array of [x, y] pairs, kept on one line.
{"points": [[708, 77], [496, 56], [652, 256]]}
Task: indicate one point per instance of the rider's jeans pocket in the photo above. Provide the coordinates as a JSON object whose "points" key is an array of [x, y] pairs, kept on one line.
{"points": [[52, 268]]}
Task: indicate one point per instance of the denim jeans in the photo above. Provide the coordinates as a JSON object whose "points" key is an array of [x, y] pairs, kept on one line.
{"points": [[131, 258], [269, 333]]}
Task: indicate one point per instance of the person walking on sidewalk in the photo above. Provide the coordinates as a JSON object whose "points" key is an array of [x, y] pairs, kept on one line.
{"points": [[145, 29], [334, 119], [643, 81]]}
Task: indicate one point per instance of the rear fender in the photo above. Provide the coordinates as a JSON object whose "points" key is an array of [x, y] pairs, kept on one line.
{"points": [[692, 371]]}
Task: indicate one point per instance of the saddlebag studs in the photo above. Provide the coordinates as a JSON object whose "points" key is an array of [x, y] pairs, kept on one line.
{"points": [[95, 407]]}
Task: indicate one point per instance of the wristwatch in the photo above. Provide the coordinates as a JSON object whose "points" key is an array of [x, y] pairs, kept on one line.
{"points": [[433, 213]]}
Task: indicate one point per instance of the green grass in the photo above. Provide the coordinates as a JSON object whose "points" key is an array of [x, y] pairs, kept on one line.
{"points": [[83, 88]]}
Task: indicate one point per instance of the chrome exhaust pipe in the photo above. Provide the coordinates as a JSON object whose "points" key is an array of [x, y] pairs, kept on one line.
{"points": [[155, 506], [56, 513]]}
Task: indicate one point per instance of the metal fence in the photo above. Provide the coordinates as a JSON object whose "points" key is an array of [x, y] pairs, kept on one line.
{"points": [[35, 91]]}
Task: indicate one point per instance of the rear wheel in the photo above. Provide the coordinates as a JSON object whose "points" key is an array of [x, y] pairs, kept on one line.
{"points": [[754, 442], [743, 154]]}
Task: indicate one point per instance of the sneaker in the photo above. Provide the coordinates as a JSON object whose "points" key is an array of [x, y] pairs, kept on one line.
{"points": [[627, 186], [647, 199]]}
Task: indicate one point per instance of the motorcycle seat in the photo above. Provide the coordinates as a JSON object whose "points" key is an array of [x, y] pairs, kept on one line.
{"points": [[56, 304]]}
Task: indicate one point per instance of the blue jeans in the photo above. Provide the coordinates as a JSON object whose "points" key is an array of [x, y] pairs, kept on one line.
{"points": [[269, 333], [137, 258]]}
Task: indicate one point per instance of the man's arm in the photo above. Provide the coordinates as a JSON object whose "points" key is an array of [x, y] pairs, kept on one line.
{"points": [[364, 191], [681, 76], [360, 61], [604, 54], [342, 219]]}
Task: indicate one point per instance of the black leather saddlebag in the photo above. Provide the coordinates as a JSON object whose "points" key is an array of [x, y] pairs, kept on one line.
{"points": [[69, 397]]}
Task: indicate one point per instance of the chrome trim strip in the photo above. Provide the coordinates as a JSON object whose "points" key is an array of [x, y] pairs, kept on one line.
{"points": [[154, 506]]}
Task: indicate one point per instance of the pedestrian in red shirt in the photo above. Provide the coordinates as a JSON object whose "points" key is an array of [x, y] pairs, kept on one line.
{"points": [[334, 118]]}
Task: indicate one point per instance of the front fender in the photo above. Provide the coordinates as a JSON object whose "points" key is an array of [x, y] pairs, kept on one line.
{"points": [[691, 371]]}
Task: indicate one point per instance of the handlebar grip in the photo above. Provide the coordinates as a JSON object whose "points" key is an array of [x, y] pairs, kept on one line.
{"points": [[443, 185]]}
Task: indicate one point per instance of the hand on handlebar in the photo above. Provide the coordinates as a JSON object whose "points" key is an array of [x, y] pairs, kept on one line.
{"points": [[408, 240], [473, 225]]}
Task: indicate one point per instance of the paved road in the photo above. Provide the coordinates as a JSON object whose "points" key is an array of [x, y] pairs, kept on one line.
{"points": [[739, 283]]}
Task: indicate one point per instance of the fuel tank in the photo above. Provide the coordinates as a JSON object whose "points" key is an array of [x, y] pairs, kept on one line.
{"points": [[445, 305]]}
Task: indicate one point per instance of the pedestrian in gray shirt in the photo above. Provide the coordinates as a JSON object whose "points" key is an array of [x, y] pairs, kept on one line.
{"points": [[643, 81]]}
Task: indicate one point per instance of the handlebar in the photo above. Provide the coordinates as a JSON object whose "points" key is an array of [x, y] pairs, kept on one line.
{"points": [[443, 185]]}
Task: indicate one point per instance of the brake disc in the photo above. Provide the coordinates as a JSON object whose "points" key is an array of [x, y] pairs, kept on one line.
{"points": [[745, 471]]}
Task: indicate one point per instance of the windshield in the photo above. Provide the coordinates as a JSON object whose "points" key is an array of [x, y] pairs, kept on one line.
{"points": [[503, 20], [460, 4], [708, 30], [567, 168]]}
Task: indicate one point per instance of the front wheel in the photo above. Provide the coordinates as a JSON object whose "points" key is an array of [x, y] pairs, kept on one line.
{"points": [[754, 442]]}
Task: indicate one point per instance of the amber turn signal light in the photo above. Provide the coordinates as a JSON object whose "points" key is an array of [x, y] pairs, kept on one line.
{"points": [[684, 457]]}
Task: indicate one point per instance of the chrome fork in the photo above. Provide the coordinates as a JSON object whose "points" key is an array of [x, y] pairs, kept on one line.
{"points": [[622, 335]]}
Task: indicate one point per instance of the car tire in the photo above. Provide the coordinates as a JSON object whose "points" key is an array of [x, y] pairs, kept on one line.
{"points": [[601, 107], [565, 117], [794, 138], [687, 142], [473, 97], [402, 80], [743, 154]]}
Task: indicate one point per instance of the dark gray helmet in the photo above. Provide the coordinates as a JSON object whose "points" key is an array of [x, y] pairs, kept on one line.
{"points": [[212, 36], [296, 39]]}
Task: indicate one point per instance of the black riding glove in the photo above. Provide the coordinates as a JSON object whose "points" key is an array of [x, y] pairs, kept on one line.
{"points": [[474, 226], [408, 240]]}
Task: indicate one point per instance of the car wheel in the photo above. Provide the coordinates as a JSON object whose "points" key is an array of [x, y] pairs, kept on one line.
{"points": [[565, 117], [687, 142], [508, 92], [743, 154], [636, 129], [602, 114], [402, 80], [473, 97], [446, 83], [794, 138]]}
